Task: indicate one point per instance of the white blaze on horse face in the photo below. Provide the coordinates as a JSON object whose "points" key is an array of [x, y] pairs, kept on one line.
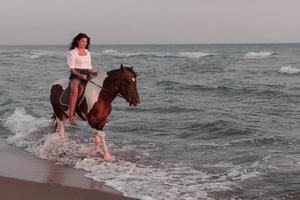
{"points": [[133, 79], [92, 91]]}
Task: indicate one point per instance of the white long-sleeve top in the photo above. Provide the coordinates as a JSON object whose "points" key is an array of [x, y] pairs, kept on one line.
{"points": [[76, 61]]}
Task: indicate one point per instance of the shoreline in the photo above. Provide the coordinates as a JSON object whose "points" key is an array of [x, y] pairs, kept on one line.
{"points": [[24, 175]]}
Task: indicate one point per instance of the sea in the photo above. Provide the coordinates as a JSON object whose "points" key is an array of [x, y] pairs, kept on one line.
{"points": [[216, 121]]}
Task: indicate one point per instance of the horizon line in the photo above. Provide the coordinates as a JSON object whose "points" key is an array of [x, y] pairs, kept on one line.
{"points": [[136, 44]]}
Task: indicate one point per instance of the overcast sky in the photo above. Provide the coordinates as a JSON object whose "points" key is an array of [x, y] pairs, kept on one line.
{"points": [[149, 21]]}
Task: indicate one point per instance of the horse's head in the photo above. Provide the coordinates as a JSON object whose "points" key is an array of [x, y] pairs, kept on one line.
{"points": [[128, 88]]}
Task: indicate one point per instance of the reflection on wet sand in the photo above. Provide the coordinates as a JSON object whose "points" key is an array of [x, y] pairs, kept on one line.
{"points": [[63, 175]]}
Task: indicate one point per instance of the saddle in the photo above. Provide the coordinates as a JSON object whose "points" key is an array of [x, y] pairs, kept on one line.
{"points": [[65, 96]]}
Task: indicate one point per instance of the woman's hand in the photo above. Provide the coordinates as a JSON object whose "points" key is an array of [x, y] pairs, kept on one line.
{"points": [[94, 72], [78, 74], [83, 77]]}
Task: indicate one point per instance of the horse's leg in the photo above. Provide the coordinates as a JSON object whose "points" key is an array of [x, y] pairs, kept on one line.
{"points": [[100, 139], [106, 156], [56, 91], [61, 128], [65, 121], [96, 150]]}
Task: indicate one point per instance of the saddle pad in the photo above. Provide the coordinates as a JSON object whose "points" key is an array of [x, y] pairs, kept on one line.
{"points": [[65, 96]]}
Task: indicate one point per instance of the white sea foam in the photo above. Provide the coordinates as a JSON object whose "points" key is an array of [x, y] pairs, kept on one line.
{"points": [[38, 54], [176, 181], [53, 147], [23, 125], [263, 54], [238, 173], [109, 51], [289, 70], [33, 54], [235, 174], [145, 182], [194, 54], [50, 146], [156, 54], [26, 134], [169, 182]]}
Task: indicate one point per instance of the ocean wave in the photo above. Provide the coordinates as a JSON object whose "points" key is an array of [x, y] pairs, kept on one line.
{"points": [[195, 54], [173, 85], [116, 53], [33, 54], [175, 182], [213, 130], [169, 109], [109, 51], [63, 152], [10, 53], [263, 54], [263, 141], [32, 134], [238, 172], [38, 54], [168, 84], [133, 179], [289, 70], [23, 125], [147, 54]]}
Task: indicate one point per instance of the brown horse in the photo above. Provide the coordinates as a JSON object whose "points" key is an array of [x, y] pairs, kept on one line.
{"points": [[95, 102]]}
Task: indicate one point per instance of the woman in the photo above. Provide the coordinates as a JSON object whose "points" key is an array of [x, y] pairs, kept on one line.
{"points": [[79, 62]]}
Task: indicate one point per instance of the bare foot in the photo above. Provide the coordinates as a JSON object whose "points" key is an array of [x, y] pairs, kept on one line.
{"points": [[73, 120]]}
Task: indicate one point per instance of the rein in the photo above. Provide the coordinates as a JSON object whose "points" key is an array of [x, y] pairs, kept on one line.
{"points": [[119, 94]]}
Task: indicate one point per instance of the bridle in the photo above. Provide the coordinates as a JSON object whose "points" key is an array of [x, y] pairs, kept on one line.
{"points": [[119, 94]]}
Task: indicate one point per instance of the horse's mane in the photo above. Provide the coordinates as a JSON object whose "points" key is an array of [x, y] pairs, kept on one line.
{"points": [[130, 69]]}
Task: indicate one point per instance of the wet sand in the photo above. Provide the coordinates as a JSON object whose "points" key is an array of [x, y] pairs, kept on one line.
{"points": [[23, 176], [14, 189]]}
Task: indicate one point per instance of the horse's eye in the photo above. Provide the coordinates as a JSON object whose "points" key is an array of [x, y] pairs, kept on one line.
{"points": [[127, 81]]}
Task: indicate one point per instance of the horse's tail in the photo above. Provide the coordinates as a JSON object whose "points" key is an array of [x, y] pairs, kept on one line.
{"points": [[53, 124]]}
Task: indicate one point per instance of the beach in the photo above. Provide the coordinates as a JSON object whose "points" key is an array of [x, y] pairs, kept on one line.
{"points": [[23, 176]]}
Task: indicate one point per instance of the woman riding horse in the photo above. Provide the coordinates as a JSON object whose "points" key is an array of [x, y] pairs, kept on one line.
{"points": [[97, 101], [79, 62]]}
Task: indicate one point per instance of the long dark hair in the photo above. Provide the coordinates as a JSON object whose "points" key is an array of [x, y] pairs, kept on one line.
{"points": [[78, 37]]}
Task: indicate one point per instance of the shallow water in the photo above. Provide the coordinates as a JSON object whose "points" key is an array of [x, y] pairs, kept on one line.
{"points": [[215, 121]]}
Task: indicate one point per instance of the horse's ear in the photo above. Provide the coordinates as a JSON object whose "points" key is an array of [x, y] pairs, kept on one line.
{"points": [[122, 68]]}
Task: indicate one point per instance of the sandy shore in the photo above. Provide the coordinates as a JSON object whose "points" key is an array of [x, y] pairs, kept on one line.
{"points": [[14, 189], [23, 176]]}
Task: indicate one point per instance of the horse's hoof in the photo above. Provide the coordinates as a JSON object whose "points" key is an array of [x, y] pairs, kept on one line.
{"points": [[107, 159], [94, 153]]}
